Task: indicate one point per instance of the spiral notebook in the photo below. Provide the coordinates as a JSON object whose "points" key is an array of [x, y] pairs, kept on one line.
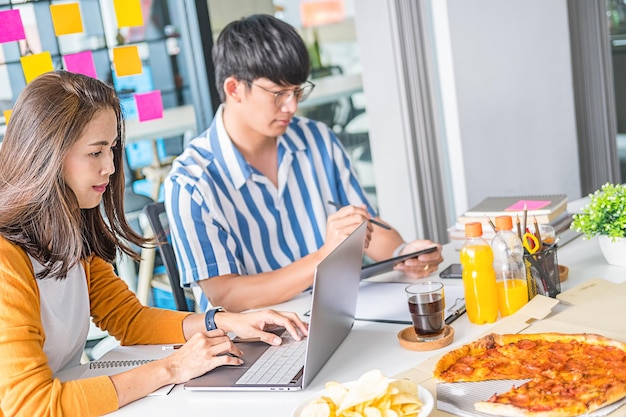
{"points": [[99, 368], [126, 358]]}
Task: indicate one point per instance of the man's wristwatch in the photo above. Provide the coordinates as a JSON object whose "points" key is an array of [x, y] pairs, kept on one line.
{"points": [[397, 250], [209, 318]]}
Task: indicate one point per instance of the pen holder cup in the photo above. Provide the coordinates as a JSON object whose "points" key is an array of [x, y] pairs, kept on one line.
{"points": [[542, 273]]}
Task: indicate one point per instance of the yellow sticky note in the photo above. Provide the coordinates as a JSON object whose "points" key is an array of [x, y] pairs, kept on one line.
{"points": [[35, 65], [66, 18], [7, 116], [128, 13], [126, 61]]}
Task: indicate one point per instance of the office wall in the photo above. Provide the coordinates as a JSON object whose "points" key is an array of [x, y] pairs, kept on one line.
{"points": [[509, 116], [515, 103], [383, 86]]}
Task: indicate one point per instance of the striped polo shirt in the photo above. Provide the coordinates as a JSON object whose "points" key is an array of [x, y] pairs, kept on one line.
{"points": [[228, 218]]}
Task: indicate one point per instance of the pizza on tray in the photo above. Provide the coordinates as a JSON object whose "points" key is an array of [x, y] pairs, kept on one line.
{"points": [[571, 374]]}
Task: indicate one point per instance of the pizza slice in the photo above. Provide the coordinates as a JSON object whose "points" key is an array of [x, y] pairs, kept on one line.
{"points": [[571, 374]]}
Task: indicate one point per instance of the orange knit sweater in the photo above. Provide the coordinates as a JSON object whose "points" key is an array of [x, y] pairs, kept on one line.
{"points": [[27, 387]]}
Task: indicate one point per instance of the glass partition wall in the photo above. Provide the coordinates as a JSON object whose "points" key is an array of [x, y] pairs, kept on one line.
{"points": [[616, 23], [166, 66], [175, 57]]}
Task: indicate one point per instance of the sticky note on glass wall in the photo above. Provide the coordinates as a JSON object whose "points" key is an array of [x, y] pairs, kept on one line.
{"points": [[12, 27], [35, 65], [126, 61], [66, 18], [149, 105], [128, 13], [7, 116], [81, 63]]}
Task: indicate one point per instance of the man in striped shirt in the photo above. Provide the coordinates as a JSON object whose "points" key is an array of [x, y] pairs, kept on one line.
{"points": [[247, 200]]}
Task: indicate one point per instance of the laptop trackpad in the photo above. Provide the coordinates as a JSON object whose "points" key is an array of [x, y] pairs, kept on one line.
{"points": [[227, 375]]}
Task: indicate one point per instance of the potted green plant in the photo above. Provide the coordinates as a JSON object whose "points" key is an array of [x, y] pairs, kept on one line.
{"points": [[605, 216]]}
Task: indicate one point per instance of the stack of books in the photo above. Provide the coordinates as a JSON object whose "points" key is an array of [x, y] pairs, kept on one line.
{"points": [[546, 209]]}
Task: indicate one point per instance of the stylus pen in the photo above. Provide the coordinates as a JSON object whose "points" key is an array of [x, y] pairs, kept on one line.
{"points": [[376, 222], [458, 313], [172, 347]]}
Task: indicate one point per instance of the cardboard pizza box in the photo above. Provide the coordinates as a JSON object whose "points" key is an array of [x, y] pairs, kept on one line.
{"points": [[596, 306], [603, 312]]}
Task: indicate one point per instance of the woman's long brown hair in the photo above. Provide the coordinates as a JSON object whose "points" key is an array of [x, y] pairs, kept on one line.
{"points": [[38, 211]]}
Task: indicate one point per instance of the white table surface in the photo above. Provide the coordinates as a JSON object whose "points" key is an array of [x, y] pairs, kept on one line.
{"points": [[175, 121], [333, 87], [369, 345]]}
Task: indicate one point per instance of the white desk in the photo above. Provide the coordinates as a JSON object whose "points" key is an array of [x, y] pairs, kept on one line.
{"points": [[368, 346], [175, 121], [331, 88]]}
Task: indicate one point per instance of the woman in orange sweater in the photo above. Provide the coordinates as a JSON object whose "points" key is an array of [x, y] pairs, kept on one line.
{"points": [[61, 224]]}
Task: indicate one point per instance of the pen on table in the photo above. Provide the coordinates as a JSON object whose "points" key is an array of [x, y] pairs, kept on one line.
{"points": [[519, 229], [232, 355], [493, 226], [376, 222], [238, 339], [172, 347], [458, 313], [390, 321]]}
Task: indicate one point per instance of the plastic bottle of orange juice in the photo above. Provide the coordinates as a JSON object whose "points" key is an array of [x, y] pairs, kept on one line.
{"points": [[479, 278], [508, 263]]}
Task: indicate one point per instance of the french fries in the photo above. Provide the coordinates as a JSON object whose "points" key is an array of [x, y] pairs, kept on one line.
{"points": [[372, 395]]}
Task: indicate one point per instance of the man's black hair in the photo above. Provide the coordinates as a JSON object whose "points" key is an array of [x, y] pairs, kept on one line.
{"points": [[260, 46]]}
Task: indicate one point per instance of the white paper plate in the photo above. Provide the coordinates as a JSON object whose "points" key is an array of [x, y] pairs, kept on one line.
{"points": [[428, 402]]}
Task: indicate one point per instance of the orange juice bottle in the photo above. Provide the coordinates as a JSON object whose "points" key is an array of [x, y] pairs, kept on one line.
{"points": [[508, 263], [512, 295], [479, 278]]}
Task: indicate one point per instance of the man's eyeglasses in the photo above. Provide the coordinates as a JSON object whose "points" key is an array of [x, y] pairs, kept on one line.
{"points": [[283, 96]]}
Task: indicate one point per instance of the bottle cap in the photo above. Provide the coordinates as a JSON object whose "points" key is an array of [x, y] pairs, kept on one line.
{"points": [[474, 229], [504, 223]]}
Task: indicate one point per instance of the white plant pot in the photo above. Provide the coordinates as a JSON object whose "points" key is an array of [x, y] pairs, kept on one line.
{"points": [[614, 251]]}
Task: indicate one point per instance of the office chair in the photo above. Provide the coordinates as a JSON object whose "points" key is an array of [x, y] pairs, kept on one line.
{"points": [[160, 225]]}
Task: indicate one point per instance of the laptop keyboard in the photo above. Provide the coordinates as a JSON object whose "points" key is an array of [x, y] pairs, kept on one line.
{"points": [[278, 364]]}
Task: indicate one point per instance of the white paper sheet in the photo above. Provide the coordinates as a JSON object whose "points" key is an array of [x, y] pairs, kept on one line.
{"points": [[387, 301]]}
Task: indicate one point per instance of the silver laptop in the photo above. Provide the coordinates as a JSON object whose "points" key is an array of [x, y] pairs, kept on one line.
{"points": [[292, 365]]}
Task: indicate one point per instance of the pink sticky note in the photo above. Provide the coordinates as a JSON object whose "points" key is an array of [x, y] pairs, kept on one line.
{"points": [[81, 63], [12, 27], [530, 205], [149, 105]]}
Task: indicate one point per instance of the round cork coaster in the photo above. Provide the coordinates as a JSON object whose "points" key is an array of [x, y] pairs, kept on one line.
{"points": [[408, 339], [563, 272]]}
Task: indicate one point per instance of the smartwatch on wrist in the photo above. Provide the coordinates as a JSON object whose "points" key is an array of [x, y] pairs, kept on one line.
{"points": [[209, 318], [397, 251]]}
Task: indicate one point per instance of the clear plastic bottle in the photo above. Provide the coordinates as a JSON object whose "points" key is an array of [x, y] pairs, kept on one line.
{"points": [[479, 278], [508, 263]]}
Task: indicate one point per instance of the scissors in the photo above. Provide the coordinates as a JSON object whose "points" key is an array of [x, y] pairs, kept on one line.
{"points": [[531, 242]]}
